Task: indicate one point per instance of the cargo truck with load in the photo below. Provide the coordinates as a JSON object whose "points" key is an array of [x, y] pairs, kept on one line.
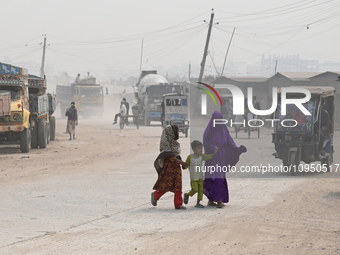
{"points": [[87, 95], [42, 106], [149, 92], [24, 108]]}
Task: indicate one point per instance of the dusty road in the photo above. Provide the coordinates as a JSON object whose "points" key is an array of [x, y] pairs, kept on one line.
{"points": [[92, 196]]}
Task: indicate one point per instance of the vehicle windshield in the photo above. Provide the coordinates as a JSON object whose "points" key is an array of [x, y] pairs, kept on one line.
{"points": [[15, 92], [176, 102], [159, 90], [295, 120], [91, 92]]}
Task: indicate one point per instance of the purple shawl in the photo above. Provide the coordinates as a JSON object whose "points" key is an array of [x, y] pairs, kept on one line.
{"points": [[228, 152]]}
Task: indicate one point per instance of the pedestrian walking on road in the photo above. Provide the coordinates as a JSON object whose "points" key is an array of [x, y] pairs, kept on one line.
{"points": [[194, 162], [168, 166], [215, 183], [72, 120]]}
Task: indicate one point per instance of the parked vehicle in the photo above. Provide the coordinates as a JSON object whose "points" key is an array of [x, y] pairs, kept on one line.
{"points": [[15, 119], [176, 112], [25, 109], [42, 106], [306, 138]]}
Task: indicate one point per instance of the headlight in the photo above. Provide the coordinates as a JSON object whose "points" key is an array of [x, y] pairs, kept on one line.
{"points": [[16, 116]]}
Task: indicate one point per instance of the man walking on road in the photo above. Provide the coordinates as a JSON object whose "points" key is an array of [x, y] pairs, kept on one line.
{"points": [[72, 120]]}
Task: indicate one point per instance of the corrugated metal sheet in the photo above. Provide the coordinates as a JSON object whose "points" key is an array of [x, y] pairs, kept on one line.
{"points": [[246, 78], [323, 91], [299, 76]]}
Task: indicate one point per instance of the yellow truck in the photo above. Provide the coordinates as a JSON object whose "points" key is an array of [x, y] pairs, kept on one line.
{"points": [[15, 118], [87, 95], [25, 109]]}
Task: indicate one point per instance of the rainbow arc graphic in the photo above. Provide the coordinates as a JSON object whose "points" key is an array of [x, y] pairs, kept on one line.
{"points": [[209, 93]]}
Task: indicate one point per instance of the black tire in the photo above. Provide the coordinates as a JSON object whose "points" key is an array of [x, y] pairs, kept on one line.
{"points": [[48, 132], [52, 128], [34, 136], [293, 162], [25, 139], [42, 133]]}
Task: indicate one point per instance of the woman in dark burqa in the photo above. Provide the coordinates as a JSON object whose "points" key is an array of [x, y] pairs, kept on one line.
{"points": [[168, 166], [215, 183]]}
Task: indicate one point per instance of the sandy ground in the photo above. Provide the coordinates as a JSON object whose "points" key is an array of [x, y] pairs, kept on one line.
{"points": [[92, 196]]}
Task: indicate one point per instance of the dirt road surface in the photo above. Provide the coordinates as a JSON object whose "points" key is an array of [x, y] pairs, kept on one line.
{"points": [[92, 196]]}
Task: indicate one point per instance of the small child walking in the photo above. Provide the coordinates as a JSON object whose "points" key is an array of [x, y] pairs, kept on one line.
{"points": [[194, 162]]}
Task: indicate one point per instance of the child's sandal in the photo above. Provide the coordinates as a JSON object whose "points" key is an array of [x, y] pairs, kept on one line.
{"points": [[185, 199], [199, 206]]}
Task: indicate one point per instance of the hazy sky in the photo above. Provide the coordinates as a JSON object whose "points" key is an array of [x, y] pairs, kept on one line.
{"points": [[100, 35]]}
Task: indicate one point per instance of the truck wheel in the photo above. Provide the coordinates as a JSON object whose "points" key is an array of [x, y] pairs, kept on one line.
{"points": [[34, 136], [293, 162], [48, 132], [52, 128], [25, 139], [42, 134]]}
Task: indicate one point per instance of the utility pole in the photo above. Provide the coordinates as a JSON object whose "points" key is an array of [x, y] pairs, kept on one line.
{"points": [[225, 59], [42, 71], [275, 67], [206, 47], [141, 59]]}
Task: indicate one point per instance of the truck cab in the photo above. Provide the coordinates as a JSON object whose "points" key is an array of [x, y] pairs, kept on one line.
{"points": [[87, 95], [14, 106], [89, 99], [149, 92]]}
